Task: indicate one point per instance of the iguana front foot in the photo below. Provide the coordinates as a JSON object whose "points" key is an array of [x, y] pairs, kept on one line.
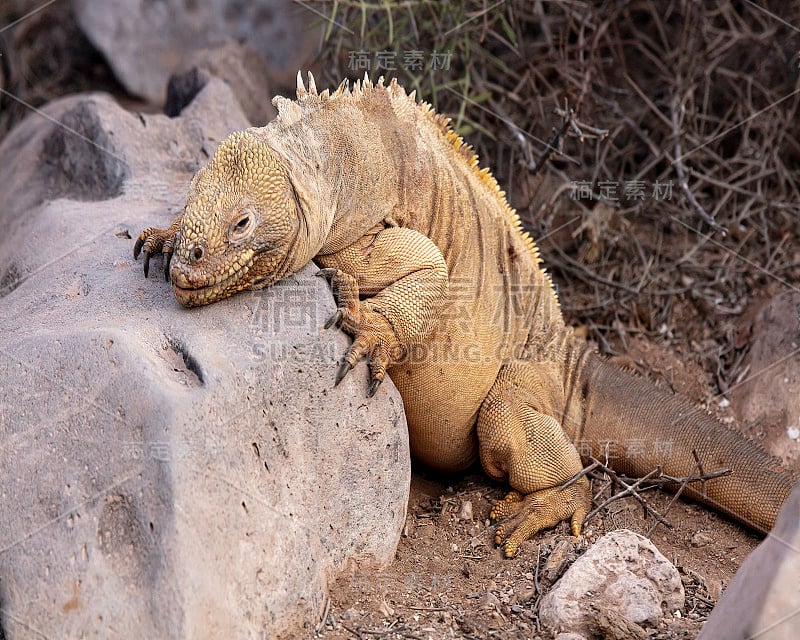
{"points": [[374, 336], [540, 510], [153, 240]]}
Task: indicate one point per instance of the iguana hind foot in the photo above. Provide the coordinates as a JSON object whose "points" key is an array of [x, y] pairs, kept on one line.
{"points": [[520, 441], [539, 510]]}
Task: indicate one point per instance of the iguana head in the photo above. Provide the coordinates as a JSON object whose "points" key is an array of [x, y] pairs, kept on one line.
{"points": [[241, 225]]}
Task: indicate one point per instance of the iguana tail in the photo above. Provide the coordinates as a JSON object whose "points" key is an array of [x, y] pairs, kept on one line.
{"points": [[643, 427]]}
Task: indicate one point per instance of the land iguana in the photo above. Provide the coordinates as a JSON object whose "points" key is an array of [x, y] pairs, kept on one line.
{"points": [[444, 292]]}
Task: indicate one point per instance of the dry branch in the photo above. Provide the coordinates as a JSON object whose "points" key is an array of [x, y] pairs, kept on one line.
{"points": [[635, 487]]}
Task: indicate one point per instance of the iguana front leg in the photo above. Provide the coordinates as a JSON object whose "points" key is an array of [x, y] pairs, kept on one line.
{"points": [[520, 442], [153, 240], [390, 286]]}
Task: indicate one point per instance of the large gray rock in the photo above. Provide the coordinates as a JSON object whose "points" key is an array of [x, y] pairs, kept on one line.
{"points": [[145, 42], [239, 65], [768, 399], [164, 472], [622, 574], [763, 599]]}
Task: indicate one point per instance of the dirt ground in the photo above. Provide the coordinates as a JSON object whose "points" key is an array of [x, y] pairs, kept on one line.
{"points": [[449, 581]]}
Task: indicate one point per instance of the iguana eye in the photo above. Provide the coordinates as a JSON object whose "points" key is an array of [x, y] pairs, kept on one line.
{"points": [[241, 227]]}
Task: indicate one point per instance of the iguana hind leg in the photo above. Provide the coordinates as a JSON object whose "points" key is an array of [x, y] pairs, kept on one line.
{"points": [[519, 442]]}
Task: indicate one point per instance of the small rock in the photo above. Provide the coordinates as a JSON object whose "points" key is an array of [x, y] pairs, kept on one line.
{"points": [[385, 610], [348, 614], [465, 513], [489, 601], [701, 539], [614, 626], [557, 561], [427, 533], [714, 589], [623, 572], [408, 528]]}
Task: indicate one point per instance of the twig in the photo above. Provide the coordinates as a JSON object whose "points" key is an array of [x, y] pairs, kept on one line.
{"points": [[630, 490], [553, 145], [681, 170], [656, 479], [581, 473], [325, 613], [581, 129], [678, 492]]}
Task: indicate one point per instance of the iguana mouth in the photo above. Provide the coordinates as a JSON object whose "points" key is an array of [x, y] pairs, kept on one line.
{"points": [[191, 295], [195, 297]]}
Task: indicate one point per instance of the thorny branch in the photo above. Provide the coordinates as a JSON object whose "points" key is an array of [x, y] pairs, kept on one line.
{"points": [[569, 124]]}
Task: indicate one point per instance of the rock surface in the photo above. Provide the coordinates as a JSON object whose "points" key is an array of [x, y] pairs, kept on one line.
{"points": [[239, 65], [622, 576], [763, 599], [164, 472], [145, 42], [768, 400]]}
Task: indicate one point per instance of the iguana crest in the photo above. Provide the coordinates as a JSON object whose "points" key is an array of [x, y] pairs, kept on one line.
{"points": [[309, 99]]}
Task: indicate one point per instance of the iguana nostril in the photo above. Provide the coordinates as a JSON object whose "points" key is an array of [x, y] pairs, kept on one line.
{"points": [[197, 253]]}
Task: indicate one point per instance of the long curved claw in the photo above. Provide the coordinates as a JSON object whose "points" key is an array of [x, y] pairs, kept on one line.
{"points": [[343, 371], [374, 336], [335, 319], [152, 241], [373, 388]]}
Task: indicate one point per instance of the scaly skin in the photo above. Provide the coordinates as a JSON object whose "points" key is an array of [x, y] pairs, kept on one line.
{"points": [[443, 291]]}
